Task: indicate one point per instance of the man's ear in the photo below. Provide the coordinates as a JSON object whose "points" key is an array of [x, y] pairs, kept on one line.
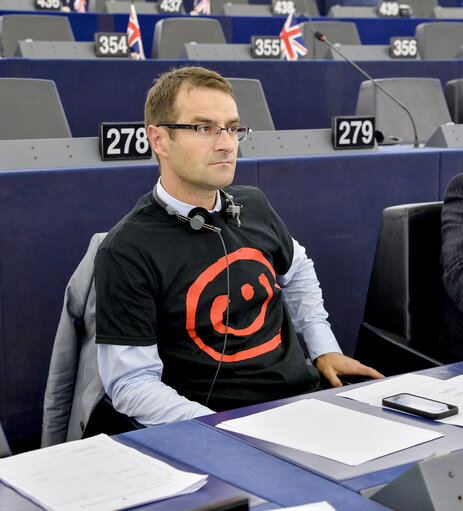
{"points": [[158, 138]]}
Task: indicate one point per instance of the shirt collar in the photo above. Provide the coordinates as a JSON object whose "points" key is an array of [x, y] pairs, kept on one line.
{"points": [[182, 207]]}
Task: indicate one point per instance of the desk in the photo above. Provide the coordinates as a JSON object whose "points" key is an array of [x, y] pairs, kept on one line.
{"points": [[368, 474], [246, 467]]}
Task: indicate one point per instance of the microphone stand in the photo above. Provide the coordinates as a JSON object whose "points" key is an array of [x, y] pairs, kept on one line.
{"points": [[322, 37]]}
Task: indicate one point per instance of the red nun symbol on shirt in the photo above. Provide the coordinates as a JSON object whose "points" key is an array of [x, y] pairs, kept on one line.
{"points": [[219, 306]]}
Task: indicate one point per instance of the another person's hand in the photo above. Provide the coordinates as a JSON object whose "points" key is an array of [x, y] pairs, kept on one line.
{"points": [[332, 365]]}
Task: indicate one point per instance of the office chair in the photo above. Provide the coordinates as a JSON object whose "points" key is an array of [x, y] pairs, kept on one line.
{"points": [[303, 8], [448, 12], [403, 311], [30, 109], [350, 11], [342, 32], [252, 105], [424, 97], [171, 34], [454, 97], [422, 8], [217, 6], [142, 7], [17, 5], [75, 403], [18, 27], [98, 5], [439, 39]]}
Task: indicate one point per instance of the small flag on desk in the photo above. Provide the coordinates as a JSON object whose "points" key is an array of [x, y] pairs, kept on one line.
{"points": [[201, 7], [292, 42], [133, 31], [80, 5]]}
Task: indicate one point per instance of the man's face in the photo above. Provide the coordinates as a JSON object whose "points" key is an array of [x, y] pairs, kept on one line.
{"points": [[194, 166]]}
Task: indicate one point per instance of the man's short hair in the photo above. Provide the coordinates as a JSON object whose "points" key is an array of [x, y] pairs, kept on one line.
{"points": [[160, 102]]}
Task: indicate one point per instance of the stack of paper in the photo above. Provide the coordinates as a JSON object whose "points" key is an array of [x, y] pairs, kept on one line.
{"points": [[96, 474], [331, 431]]}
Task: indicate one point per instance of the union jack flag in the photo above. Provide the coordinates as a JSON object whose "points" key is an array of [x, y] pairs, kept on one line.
{"points": [[133, 31], [80, 5], [292, 40], [202, 7]]}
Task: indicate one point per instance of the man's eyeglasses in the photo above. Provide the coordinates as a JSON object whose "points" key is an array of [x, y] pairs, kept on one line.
{"points": [[211, 131]]}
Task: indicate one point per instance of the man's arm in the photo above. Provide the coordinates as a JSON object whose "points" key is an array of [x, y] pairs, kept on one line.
{"points": [[131, 376], [452, 241], [303, 297]]}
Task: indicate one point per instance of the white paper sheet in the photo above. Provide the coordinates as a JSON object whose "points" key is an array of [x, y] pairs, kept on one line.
{"points": [[316, 506], [448, 391], [96, 474], [331, 431]]}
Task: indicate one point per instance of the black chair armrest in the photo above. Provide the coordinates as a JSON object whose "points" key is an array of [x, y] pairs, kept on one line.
{"points": [[388, 353]]}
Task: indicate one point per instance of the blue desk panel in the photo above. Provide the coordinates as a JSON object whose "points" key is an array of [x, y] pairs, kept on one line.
{"points": [[302, 94], [244, 466], [382, 469], [353, 190]]}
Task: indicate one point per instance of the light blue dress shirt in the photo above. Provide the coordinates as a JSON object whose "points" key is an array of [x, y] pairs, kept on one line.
{"points": [[131, 375]]}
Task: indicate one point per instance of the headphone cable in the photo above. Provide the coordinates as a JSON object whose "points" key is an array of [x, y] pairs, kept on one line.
{"points": [[227, 316]]}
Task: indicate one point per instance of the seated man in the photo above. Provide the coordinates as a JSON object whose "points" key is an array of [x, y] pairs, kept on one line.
{"points": [[450, 345], [195, 318]]}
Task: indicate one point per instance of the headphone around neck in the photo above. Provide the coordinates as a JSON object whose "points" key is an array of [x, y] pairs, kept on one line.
{"points": [[200, 218]]}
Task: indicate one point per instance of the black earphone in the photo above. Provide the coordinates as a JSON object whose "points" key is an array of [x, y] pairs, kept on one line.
{"points": [[200, 218]]}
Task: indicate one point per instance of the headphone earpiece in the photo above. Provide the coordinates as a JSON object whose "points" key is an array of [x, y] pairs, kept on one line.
{"points": [[199, 217]]}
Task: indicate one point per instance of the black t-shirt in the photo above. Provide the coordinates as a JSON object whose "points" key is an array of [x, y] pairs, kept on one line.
{"points": [[160, 281]]}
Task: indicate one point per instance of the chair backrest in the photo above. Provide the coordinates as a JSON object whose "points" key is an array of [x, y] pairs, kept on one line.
{"points": [[171, 34], [351, 11], [239, 9], [98, 5], [31, 108], [17, 5], [422, 8], [342, 32], [118, 6], [424, 98], [217, 5], [4, 446], [18, 27], [454, 97], [439, 39], [252, 105], [405, 294], [448, 12]]}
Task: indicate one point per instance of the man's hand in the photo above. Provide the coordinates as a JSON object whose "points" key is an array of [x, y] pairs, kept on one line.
{"points": [[332, 365]]}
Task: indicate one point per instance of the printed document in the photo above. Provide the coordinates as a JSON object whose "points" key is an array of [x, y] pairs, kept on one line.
{"points": [[95, 474], [331, 431], [449, 391]]}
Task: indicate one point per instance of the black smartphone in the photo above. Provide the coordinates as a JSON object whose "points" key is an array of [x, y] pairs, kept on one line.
{"points": [[419, 405]]}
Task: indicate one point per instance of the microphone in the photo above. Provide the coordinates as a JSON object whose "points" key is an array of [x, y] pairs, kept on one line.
{"points": [[322, 37]]}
